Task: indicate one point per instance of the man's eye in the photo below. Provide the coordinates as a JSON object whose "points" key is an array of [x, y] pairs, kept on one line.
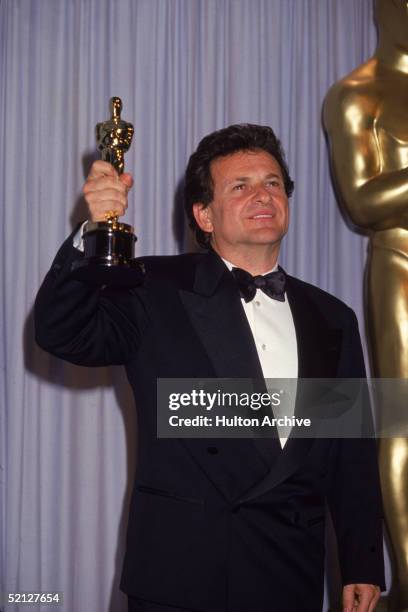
{"points": [[273, 183], [238, 187]]}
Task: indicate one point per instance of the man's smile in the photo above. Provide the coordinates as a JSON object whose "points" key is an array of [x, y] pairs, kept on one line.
{"points": [[263, 214]]}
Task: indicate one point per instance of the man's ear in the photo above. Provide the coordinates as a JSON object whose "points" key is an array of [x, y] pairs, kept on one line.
{"points": [[202, 215]]}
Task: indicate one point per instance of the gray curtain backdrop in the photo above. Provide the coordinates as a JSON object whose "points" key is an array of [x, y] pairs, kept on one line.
{"points": [[183, 68]]}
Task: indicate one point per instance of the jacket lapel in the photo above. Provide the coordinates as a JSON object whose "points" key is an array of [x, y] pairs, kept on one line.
{"points": [[215, 310], [318, 343]]}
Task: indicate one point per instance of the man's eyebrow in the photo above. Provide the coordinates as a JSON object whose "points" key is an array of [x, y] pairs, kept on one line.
{"points": [[240, 178], [247, 178]]}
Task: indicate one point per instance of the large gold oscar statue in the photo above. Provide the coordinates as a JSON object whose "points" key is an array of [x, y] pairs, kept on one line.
{"points": [[366, 119]]}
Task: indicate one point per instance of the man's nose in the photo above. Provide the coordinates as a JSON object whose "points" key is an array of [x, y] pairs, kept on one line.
{"points": [[262, 194]]}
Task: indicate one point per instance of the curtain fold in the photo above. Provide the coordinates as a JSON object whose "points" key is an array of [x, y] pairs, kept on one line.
{"points": [[182, 68]]}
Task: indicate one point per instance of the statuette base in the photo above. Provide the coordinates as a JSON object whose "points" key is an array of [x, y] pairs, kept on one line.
{"points": [[108, 256]]}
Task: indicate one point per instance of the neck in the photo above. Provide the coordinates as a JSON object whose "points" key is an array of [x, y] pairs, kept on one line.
{"points": [[392, 56], [254, 261]]}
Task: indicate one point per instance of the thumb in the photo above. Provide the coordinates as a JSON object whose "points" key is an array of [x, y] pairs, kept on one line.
{"points": [[348, 598], [126, 179]]}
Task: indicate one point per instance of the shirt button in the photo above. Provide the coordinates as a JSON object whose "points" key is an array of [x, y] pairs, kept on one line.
{"points": [[264, 347], [257, 303]]}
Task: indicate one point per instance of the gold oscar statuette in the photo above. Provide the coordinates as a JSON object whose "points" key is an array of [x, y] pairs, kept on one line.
{"points": [[366, 120], [109, 245]]}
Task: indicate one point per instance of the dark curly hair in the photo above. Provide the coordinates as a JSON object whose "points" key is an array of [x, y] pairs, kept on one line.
{"points": [[198, 184]]}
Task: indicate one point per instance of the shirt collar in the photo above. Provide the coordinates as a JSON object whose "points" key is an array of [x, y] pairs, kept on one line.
{"points": [[230, 266]]}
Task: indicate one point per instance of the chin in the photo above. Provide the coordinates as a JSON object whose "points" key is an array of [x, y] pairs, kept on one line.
{"points": [[266, 236]]}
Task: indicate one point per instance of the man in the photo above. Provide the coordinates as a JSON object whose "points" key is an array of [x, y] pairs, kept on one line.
{"points": [[226, 525]]}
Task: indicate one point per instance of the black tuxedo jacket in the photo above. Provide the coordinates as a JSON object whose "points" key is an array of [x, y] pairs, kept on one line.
{"points": [[222, 525]]}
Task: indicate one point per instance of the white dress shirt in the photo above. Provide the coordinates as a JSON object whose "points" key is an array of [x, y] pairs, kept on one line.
{"points": [[273, 329], [78, 241]]}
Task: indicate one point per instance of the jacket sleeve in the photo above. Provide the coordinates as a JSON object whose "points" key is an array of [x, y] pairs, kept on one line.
{"points": [[354, 496], [86, 325]]}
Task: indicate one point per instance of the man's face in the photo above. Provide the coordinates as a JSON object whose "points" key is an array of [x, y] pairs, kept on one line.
{"points": [[250, 205]]}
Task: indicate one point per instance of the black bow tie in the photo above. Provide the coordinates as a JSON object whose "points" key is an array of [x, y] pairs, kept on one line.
{"points": [[273, 284]]}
